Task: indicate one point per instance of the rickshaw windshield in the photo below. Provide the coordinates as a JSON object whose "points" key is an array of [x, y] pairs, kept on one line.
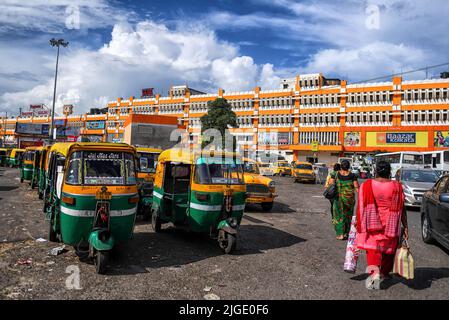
{"points": [[218, 171], [101, 168], [29, 156], [147, 161]]}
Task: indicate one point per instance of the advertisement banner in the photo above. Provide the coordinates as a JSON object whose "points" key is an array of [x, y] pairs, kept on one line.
{"points": [[352, 139], [274, 138], [29, 128], [441, 139], [417, 139], [95, 125]]}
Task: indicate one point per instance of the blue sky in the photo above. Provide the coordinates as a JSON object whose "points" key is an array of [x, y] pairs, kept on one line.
{"points": [[118, 47]]}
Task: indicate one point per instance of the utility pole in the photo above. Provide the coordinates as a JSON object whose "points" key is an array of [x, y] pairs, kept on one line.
{"points": [[55, 43]]}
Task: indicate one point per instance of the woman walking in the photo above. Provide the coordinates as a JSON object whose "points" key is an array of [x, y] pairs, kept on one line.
{"points": [[380, 210], [343, 205]]}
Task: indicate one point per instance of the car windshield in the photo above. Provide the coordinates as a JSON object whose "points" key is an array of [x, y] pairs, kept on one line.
{"points": [[99, 168], [251, 167], [147, 161], [218, 170], [264, 165], [304, 166], [419, 176], [282, 164]]}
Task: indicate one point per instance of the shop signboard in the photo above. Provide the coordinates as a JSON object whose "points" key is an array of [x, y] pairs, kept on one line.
{"points": [[418, 139]]}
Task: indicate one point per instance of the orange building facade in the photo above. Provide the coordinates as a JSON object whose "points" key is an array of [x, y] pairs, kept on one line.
{"points": [[308, 116]]}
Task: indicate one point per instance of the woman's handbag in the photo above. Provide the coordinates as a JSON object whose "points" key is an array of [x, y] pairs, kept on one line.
{"points": [[404, 264], [352, 253], [331, 191]]}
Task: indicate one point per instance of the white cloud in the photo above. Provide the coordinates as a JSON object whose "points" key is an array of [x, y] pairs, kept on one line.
{"points": [[57, 16], [139, 56], [366, 62]]}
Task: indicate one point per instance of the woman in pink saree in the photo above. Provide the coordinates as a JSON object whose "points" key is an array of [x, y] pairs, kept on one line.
{"points": [[380, 211]]}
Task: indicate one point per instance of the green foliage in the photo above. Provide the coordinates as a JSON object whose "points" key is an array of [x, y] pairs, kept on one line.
{"points": [[219, 116]]}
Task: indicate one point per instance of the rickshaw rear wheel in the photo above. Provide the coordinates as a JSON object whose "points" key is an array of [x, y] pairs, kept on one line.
{"points": [[229, 243], [156, 223], [101, 261]]}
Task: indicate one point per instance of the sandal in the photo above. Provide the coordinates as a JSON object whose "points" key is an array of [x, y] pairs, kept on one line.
{"points": [[340, 237]]}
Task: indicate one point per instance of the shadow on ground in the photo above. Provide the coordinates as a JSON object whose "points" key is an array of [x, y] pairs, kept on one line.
{"points": [[424, 277], [174, 248]]}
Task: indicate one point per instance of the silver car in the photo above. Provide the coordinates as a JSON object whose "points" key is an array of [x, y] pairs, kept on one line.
{"points": [[415, 183]]}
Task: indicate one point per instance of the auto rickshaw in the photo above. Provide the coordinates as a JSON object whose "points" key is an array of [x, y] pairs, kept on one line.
{"points": [[28, 165], [303, 171], [259, 189], [93, 197], [281, 168], [15, 158], [147, 161], [202, 192], [3, 154], [42, 171]]}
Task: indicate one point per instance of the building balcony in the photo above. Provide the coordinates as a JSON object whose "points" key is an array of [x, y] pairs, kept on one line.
{"points": [[318, 106], [275, 125], [368, 124], [319, 125], [369, 104], [279, 107], [424, 102], [425, 123]]}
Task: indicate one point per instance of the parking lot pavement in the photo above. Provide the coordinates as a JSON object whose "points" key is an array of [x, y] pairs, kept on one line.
{"points": [[289, 253]]}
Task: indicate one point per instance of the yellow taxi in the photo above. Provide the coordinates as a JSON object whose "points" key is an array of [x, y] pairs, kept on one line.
{"points": [[281, 168], [303, 171], [259, 189]]}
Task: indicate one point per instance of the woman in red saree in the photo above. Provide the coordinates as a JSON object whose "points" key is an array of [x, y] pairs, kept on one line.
{"points": [[380, 211]]}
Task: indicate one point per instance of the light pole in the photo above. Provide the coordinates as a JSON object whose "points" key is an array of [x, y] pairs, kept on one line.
{"points": [[55, 43]]}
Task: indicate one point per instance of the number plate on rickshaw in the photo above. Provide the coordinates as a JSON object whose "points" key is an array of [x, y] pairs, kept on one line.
{"points": [[103, 195]]}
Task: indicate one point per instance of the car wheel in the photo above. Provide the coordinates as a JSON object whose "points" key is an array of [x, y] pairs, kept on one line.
{"points": [[267, 206], [425, 229]]}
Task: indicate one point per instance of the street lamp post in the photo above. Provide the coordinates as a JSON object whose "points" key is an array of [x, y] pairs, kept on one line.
{"points": [[55, 43]]}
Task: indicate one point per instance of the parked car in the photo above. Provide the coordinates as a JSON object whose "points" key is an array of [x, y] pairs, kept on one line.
{"points": [[415, 183], [265, 169], [435, 213]]}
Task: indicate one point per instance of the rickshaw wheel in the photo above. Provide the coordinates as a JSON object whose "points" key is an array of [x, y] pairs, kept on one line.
{"points": [[229, 243], [156, 223], [101, 260]]}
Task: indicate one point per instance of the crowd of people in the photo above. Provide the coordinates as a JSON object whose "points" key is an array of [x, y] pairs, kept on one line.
{"points": [[379, 212]]}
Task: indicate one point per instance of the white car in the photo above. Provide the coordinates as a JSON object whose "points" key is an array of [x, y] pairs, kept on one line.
{"points": [[265, 169]]}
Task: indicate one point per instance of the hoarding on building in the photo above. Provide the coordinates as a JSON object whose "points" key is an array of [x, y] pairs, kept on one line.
{"points": [[417, 139], [441, 139], [95, 125], [274, 138], [30, 128], [352, 139]]}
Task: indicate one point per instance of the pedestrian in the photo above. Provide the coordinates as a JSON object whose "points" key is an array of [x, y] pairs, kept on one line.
{"points": [[335, 169], [380, 210], [343, 205]]}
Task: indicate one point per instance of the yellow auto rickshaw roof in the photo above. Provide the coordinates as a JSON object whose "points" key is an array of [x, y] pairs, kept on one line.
{"points": [[186, 155], [3, 149], [149, 150], [33, 148], [65, 147], [302, 162]]}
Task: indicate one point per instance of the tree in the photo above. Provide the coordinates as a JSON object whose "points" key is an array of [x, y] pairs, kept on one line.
{"points": [[219, 117]]}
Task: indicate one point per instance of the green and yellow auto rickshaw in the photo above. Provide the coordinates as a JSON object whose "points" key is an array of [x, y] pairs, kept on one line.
{"points": [[28, 166], [15, 158], [42, 170], [147, 161], [3, 155], [93, 197], [203, 192]]}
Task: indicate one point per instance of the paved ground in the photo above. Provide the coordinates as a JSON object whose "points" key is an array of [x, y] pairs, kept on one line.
{"points": [[290, 253]]}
